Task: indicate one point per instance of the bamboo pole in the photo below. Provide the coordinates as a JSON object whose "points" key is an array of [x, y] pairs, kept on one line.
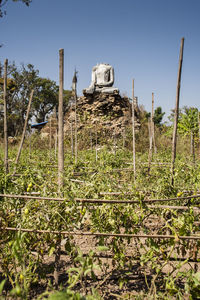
{"points": [[30, 146], [133, 129], [72, 138], [153, 125], [192, 146], [60, 122], [5, 117], [113, 201], [76, 137], [82, 233], [96, 138], [115, 144], [24, 131], [176, 112], [91, 144], [124, 136], [50, 138], [150, 145], [60, 157], [56, 143]]}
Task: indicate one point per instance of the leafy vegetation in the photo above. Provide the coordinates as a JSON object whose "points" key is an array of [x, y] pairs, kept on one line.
{"points": [[158, 116], [131, 267], [21, 80]]}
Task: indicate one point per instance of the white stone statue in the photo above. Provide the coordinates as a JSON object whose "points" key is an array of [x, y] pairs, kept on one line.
{"points": [[102, 80]]}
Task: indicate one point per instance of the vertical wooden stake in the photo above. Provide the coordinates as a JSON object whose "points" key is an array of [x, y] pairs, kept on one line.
{"points": [[91, 138], [96, 141], [176, 112], [150, 144], [74, 84], [192, 146], [152, 124], [124, 136], [72, 138], [76, 139], [60, 122], [60, 156], [133, 128], [56, 142], [24, 131], [50, 139], [115, 144], [30, 146], [5, 117]]}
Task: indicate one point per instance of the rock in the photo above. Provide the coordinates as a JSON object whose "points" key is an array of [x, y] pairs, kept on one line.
{"points": [[110, 111]]}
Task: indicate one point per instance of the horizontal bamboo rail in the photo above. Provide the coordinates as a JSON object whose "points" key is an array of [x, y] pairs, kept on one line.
{"points": [[31, 197], [135, 259], [174, 207], [80, 233], [114, 201], [143, 191], [171, 259], [115, 193], [155, 163]]}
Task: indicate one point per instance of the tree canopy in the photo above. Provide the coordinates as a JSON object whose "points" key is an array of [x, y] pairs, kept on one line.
{"points": [[19, 85], [188, 120], [3, 3], [158, 116]]}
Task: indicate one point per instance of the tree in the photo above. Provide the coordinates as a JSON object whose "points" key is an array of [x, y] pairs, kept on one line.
{"points": [[188, 120], [25, 79], [158, 116], [45, 98], [188, 125], [3, 3], [19, 85]]}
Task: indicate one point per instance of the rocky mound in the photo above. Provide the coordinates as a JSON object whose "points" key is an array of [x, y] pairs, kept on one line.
{"points": [[111, 111], [108, 111]]}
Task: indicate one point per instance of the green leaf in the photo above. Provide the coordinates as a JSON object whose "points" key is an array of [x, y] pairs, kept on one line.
{"points": [[51, 251], [102, 248], [2, 285]]}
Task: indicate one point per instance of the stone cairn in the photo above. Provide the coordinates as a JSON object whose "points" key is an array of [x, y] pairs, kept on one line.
{"points": [[109, 111]]}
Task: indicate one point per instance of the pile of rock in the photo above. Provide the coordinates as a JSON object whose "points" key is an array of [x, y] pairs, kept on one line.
{"points": [[111, 111]]}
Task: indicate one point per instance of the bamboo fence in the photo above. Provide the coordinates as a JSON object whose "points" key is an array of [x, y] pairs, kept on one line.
{"points": [[120, 235]]}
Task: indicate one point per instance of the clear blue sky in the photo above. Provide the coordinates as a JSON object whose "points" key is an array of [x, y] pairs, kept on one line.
{"points": [[140, 38]]}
